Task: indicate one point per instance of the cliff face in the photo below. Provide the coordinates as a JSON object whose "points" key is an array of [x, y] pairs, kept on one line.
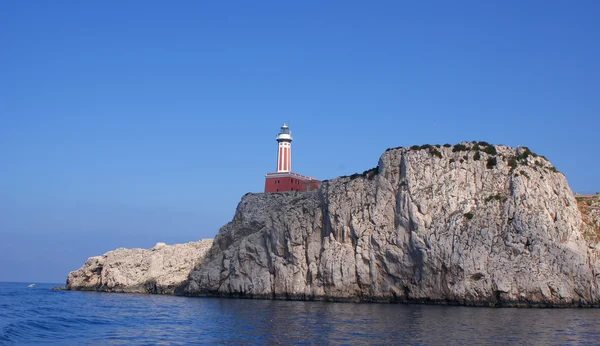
{"points": [[469, 224], [160, 269], [590, 212]]}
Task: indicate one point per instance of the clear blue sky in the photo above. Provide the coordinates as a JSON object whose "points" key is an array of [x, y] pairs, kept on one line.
{"points": [[126, 123]]}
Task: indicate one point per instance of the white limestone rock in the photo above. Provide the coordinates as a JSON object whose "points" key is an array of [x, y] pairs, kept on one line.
{"points": [[160, 269]]}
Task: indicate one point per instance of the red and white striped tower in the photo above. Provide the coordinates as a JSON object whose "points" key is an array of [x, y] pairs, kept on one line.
{"points": [[284, 150]]}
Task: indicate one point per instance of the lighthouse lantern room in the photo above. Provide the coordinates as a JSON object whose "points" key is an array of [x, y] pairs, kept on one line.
{"points": [[283, 179]]}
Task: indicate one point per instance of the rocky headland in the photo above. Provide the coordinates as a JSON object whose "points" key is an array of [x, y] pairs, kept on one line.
{"points": [[469, 224]]}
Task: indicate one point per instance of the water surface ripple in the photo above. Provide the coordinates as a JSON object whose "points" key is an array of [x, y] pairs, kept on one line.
{"points": [[42, 316]]}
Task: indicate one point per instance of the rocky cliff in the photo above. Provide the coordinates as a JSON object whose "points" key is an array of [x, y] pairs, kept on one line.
{"points": [[471, 224], [160, 269]]}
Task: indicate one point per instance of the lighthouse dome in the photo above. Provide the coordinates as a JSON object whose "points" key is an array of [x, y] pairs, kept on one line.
{"points": [[284, 134]]}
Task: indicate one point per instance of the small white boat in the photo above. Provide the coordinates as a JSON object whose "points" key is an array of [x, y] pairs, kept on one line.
{"points": [[31, 286]]}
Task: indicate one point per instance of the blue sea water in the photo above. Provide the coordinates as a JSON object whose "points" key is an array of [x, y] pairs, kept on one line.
{"points": [[41, 316]]}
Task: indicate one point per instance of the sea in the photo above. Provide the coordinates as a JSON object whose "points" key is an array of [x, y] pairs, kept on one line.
{"points": [[41, 316]]}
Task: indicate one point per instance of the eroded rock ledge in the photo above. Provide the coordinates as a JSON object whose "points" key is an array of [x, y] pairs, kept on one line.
{"points": [[159, 270]]}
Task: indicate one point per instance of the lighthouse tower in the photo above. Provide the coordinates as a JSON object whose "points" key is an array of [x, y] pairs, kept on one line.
{"points": [[283, 179], [284, 150]]}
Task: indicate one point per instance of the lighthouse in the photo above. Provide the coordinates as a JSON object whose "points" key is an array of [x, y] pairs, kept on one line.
{"points": [[284, 152], [283, 179]]}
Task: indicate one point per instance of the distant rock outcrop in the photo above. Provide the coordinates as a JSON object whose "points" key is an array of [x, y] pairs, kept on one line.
{"points": [[472, 224], [160, 269], [590, 211]]}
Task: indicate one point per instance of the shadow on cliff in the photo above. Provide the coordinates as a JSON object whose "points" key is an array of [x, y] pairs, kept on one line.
{"points": [[238, 228], [180, 290], [221, 241]]}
